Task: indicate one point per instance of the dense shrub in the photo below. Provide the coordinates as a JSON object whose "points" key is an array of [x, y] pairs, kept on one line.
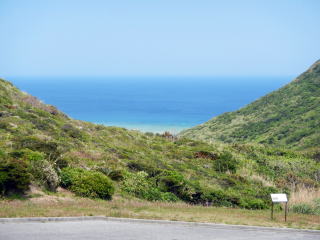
{"points": [[316, 204], [137, 184], [87, 183], [139, 166], [303, 208], [116, 175], [62, 162], [226, 162], [74, 132], [214, 197], [169, 197], [4, 126], [244, 196], [14, 176], [44, 174], [218, 197], [141, 186], [174, 182], [52, 149], [41, 170], [2, 154], [252, 203], [307, 208]]}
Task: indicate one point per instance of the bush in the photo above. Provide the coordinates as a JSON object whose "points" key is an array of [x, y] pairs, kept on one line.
{"points": [[41, 170], [174, 182], [222, 198], [316, 206], [142, 167], [307, 208], [116, 175], [253, 203], [52, 149], [140, 185], [226, 162], [74, 132], [44, 173], [2, 155], [303, 208], [169, 197], [61, 163], [14, 176], [87, 183]]}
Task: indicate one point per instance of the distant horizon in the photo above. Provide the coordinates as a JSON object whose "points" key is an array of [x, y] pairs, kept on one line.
{"points": [[149, 106], [145, 77]]}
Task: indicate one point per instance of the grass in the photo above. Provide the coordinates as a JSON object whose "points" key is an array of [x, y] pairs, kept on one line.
{"points": [[288, 117], [304, 195], [65, 204], [45, 140], [31, 131]]}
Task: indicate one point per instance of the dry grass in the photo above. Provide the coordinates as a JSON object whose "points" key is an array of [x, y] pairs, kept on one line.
{"points": [[304, 195], [261, 179], [65, 204]]}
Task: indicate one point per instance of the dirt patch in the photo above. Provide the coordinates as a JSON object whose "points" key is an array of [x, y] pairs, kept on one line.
{"points": [[39, 196], [51, 199]]}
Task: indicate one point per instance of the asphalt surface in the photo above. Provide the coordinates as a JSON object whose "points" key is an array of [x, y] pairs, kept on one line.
{"points": [[142, 230]]}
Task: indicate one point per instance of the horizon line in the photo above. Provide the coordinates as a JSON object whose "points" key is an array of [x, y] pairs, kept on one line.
{"points": [[145, 76]]}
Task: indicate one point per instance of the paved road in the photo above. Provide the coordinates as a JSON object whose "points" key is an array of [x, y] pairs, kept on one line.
{"points": [[127, 230]]}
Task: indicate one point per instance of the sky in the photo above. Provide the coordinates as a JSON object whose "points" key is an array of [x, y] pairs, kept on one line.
{"points": [[158, 37]]}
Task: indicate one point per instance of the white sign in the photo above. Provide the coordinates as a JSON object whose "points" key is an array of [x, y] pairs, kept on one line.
{"points": [[279, 197]]}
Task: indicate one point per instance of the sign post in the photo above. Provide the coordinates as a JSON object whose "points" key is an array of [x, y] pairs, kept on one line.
{"points": [[286, 212], [279, 198]]}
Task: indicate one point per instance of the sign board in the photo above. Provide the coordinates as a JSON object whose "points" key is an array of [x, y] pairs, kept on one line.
{"points": [[279, 197]]}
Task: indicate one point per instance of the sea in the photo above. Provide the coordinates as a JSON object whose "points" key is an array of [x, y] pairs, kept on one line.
{"points": [[148, 104]]}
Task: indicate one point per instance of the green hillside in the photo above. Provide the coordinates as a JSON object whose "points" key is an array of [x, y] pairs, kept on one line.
{"points": [[40, 145], [288, 117]]}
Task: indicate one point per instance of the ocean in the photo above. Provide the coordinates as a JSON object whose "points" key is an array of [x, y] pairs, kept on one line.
{"points": [[151, 104]]}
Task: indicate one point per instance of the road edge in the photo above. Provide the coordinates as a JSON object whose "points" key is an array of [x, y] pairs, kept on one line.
{"points": [[136, 220]]}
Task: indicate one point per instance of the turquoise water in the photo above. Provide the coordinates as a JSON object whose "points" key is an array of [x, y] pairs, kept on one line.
{"points": [[148, 104]]}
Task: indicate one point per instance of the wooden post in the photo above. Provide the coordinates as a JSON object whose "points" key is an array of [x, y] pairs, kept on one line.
{"points": [[272, 211], [285, 212]]}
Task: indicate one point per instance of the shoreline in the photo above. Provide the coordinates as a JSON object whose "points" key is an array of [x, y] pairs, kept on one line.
{"points": [[156, 128]]}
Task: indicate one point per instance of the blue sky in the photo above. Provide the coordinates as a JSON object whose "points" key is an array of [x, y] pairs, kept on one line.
{"points": [[158, 38]]}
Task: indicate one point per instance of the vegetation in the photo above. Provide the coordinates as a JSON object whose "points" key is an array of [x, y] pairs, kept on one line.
{"points": [[39, 145], [87, 183], [138, 185], [288, 117], [63, 203], [306, 208], [305, 201], [14, 177]]}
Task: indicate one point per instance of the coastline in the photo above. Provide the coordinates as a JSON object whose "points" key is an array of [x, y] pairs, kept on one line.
{"points": [[154, 128]]}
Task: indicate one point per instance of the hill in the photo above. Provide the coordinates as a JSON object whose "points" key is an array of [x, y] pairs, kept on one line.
{"points": [[40, 145], [288, 117]]}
